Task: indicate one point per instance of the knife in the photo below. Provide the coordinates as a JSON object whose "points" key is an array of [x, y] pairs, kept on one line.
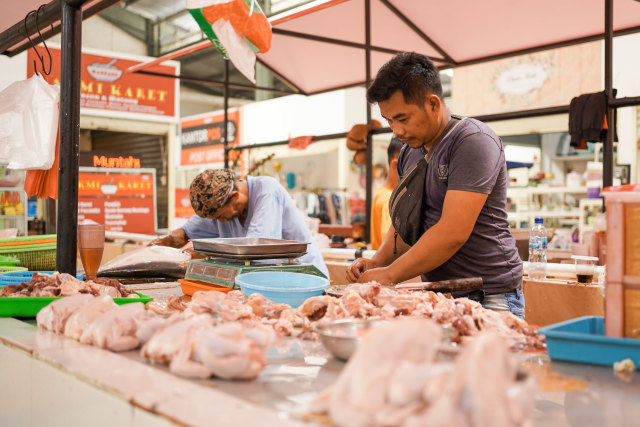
{"points": [[453, 285]]}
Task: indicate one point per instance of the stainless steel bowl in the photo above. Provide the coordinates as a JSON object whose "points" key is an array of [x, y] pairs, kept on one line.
{"points": [[341, 337]]}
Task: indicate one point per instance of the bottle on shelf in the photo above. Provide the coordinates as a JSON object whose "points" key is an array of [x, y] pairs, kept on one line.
{"points": [[538, 251]]}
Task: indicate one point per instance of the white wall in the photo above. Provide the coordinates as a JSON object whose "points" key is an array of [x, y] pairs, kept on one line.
{"points": [[98, 33], [12, 69], [626, 66]]}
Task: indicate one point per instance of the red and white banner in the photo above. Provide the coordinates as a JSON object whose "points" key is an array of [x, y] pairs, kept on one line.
{"points": [[105, 86], [202, 138], [120, 201]]}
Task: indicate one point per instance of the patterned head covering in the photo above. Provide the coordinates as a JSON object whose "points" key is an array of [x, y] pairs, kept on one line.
{"points": [[210, 190]]}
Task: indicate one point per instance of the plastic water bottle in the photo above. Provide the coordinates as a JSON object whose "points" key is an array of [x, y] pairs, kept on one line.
{"points": [[538, 251]]}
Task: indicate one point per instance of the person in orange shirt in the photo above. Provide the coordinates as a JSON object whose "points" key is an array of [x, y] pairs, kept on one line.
{"points": [[380, 217]]}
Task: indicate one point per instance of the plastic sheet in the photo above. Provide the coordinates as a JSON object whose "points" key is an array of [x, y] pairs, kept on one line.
{"points": [[29, 123]]}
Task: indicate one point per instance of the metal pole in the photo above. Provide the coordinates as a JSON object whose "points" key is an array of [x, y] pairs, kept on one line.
{"points": [[69, 138], [369, 195], [607, 149], [225, 130]]}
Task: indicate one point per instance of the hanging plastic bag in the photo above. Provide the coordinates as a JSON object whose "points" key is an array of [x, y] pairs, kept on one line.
{"points": [[237, 28], [29, 123]]}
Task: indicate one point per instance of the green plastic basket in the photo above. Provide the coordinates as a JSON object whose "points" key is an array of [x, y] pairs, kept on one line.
{"points": [[41, 256], [30, 306], [8, 261], [11, 269]]}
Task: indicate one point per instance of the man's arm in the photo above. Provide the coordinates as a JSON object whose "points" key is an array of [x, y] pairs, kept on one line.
{"points": [[459, 214], [176, 239]]}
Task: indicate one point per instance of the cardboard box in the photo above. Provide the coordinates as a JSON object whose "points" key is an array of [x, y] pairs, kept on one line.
{"points": [[550, 301]]}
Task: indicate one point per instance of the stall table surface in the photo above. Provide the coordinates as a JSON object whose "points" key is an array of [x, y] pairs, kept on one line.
{"points": [[51, 380]]}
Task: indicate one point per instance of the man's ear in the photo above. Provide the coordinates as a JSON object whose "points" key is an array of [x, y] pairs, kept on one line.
{"points": [[232, 195], [433, 102], [393, 164]]}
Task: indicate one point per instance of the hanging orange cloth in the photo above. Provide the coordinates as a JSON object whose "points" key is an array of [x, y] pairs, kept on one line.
{"points": [[44, 183]]}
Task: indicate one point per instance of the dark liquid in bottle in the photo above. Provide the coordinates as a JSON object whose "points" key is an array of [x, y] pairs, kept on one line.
{"points": [[584, 278]]}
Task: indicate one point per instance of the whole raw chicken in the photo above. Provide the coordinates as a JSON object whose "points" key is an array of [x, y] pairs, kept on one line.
{"points": [[116, 328], [167, 342], [87, 314], [54, 316]]}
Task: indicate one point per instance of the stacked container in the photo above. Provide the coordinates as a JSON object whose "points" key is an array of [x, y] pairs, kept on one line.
{"points": [[622, 294]]}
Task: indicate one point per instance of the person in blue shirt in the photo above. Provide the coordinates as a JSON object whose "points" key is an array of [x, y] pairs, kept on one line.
{"points": [[256, 207]]}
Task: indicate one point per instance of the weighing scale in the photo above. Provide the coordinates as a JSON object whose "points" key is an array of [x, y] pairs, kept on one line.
{"points": [[228, 257]]}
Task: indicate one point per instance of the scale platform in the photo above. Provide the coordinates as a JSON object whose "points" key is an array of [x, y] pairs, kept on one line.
{"points": [[228, 257], [223, 271]]}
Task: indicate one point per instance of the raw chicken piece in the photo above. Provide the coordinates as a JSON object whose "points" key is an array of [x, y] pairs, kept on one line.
{"points": [[55, 315], [115, 329], [354, 305], [108, 290], [228, 353], [394, 379], [284, 325], [46, 291], [368, 291], [263, 307], [166, 343], [480, 384], [149, 325], [69, 285], [361, 389], [321, 307], [237, 296], [217, 304], [183, 364], [165, 307], [87, 314]]}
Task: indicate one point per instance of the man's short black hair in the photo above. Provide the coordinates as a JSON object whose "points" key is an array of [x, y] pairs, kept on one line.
{"points": [[393, 150], [412, 73]]}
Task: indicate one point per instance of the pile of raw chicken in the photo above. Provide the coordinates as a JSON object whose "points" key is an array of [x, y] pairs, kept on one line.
{"points": [[398, 376], [63, 285], [467, 317], [226, 335]]}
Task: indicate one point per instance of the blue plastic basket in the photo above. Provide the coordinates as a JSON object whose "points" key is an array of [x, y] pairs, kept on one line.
{"points": [[282, 287], [17, 277], [583, 340]]}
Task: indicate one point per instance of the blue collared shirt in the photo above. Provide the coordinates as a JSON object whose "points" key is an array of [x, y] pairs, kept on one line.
{"points": [[272, 214]]}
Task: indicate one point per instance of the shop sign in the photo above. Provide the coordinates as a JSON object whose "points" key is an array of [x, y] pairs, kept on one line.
{"points": [[108, 160], [122, 201], [202, 138], [522, 78], [104, 84], [535, 80], [183, 207]]}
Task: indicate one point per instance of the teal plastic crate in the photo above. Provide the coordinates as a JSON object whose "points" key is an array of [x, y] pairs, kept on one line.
{"points": [[582, 340]]}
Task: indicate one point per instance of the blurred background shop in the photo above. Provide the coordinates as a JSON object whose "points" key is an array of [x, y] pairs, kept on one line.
{"points": [[149, 129]]}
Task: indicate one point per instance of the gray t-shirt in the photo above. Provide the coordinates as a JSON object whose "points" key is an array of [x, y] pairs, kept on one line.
{"points": [[471, 158]]}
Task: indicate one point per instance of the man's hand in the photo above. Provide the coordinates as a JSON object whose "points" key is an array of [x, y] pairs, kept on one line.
{"points": [[176, 239], [380, 275], [358, 267]]}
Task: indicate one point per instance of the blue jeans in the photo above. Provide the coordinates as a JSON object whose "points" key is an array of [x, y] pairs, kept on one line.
{"points": [[511, 301]]}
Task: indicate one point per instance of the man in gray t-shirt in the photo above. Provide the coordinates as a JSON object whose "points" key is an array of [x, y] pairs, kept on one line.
{"points": [[464, 221]]}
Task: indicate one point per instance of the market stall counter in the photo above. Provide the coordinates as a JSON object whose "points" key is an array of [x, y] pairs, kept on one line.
{"points": [[52, 380]]}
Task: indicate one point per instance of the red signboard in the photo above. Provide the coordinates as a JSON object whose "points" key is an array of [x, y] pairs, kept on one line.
{"points": [[202, 138], [105, 86], [183, 204], [120, 201]]}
